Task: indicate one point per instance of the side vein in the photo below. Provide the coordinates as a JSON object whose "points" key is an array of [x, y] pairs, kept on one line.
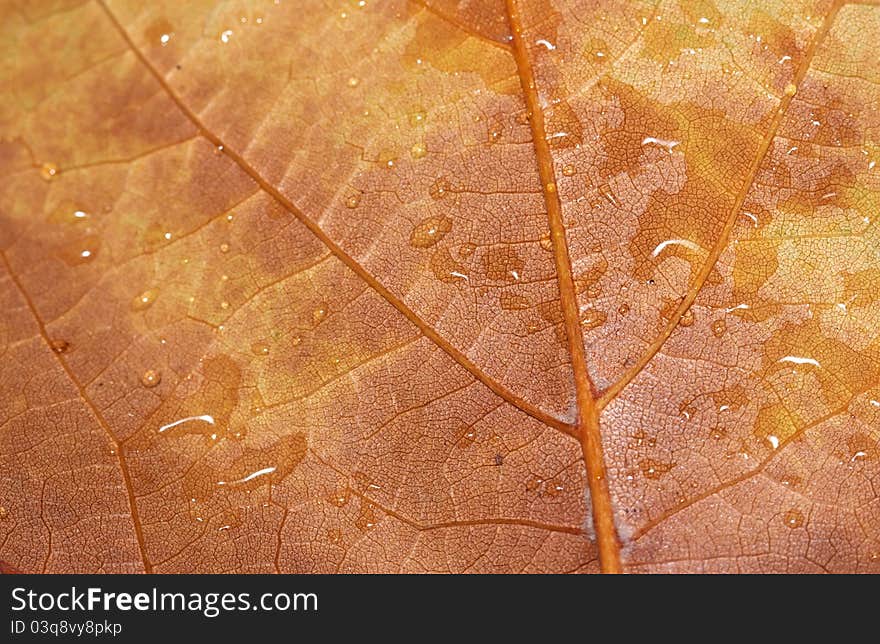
{"points": [[120, 457], [724, 237]]}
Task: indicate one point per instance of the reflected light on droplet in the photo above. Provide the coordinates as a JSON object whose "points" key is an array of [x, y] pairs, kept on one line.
{"points": [[205, 418]]}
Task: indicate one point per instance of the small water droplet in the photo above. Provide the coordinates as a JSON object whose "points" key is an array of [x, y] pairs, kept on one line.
{"points": [[60, 346], [534, 483], [417, 117], [49, 171], [353, 201], [260, 348], [592, 318], [418, 151], [467, 439], [466, 250], [719, 327], [687, 318], [429, 231], [151, 378], [3, 512], [794, 518], [353, 81], [339, 497], [67, 212], [145, 300], [318, 315], [224, 247], [367, 518], [225, 35], [546, 242], [568, 170], [334, 535], [295, 340], [440, 188], [224, 305], [623, 309], [654, 469], [550, 187]]}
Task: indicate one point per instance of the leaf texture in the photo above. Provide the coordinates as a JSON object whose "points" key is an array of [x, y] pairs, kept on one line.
{"points": [[439, 286]]}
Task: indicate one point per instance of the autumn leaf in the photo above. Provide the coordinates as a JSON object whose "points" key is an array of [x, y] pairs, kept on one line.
{"points": [[439, 286]]}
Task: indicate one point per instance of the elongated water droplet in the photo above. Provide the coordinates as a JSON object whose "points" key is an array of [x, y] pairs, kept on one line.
{"points": [[568, 170], [608, 194], [260, 348], [145, 300], [319, 314], [592, 318], [429, 231]]}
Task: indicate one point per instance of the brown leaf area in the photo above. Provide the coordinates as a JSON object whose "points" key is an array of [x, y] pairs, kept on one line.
{"points": [[439, 286]]}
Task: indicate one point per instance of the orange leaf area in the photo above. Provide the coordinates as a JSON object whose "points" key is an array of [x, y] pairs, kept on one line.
{"points": [[439, 286]]}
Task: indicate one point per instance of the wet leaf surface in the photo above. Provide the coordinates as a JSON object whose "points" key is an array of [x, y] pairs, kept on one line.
{"points": [[439, 286]]}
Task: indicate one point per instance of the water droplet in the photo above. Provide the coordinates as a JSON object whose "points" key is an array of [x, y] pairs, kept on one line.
{"points": [[568, 170], [429, 231], [446, 268], [791, 89], [623, 309], [367, 517], [654, 469], [418, 151], [794, 518], [546, 242], [666, 144], [467, 439], [260, 348], [440, 188], [353, 81], [513, 302], [67, 212], [466, 250], [49, 171], [592, 318], [225, 35], [151, 378], [3, 512], [295, 340], [145, 300], [353, 201], [224, 305], [224, 247], [81, 250], [608, 194], [417, 117], [334, 535], [687, 318], [534, 483], [339, 497], [318, 315], [719, 327], [60, 346], [550, 187]]}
